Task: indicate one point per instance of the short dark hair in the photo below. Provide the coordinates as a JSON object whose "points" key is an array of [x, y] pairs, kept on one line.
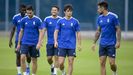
{"points": [[29, 7], [68, 6], [55, 6], [22, 6], [103, 4]]}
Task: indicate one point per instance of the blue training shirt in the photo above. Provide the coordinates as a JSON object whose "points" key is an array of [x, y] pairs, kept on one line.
{"points": [[16, 21], [31, 28], [108, 25], [68, 29], [50, 24]]}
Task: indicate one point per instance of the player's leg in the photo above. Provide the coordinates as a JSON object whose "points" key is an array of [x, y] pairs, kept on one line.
{"points": [[34, 55], [70, 65], [34, 65], [18, 63], [56, 65], [28, 64], [103, 65], [102, 57], [112, 54], [50, 54], [24, 51], [61, 60], [71, 56], [113, 65], [61, 65]]}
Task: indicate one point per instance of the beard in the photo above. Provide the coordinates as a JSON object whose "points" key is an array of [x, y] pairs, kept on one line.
{"points": [[22, 14]]}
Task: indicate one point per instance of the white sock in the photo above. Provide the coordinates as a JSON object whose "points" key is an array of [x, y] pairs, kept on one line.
{"points": [[55, 70], [33, 74], [27, 65], [19, 70], [24, 73]]}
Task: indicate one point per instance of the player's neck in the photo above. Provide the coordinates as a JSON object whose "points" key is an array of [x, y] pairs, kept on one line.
{"points": [[105, 12], [54, 16], [30, 17], [68, 17]]}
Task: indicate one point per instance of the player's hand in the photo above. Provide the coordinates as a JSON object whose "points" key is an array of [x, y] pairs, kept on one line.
{"points": [[18, 48], [38, 46], [56, 44], [79, 47], [117, 45], [10, 44], [93, 47]]}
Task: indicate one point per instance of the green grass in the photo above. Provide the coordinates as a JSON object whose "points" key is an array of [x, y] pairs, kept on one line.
{"points": [[86, 62]]}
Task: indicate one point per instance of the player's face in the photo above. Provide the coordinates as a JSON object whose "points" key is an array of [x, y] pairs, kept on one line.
{"points": [[100, 10], [68, 13], [54, 11], [29, 13], [23, 11]]}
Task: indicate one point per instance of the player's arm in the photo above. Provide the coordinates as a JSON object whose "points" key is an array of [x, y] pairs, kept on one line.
{"points": [[40, 36], [97, 35], [118, 31], [56, 38], [11, 35], [44, 25], [118, 34], [57, 29], [40, 41], [19, 38], [79, 40], [43, 33]]}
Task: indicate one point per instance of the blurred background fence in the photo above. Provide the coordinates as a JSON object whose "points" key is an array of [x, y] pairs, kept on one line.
{"points": [[84, 10]]}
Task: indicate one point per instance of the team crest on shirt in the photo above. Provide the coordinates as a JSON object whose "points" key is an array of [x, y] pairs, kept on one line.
{"points": [[50, 22], [101, 21], [34, 23], [71, 24], [108, 20]]}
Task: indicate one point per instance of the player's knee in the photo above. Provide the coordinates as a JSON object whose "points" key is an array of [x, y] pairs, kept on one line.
{"points": [[18, 56], [23, 57], [28, 59], [112, 64], [49, 59], [61, 64], [34, 61], [70, 63], [102, 64]]}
